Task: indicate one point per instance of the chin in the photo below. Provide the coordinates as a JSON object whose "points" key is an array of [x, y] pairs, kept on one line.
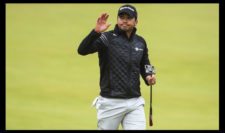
{"points": [[125, 29]]}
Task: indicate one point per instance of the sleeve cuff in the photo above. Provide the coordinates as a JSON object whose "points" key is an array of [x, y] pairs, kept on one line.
{"points": [[95, 34]]}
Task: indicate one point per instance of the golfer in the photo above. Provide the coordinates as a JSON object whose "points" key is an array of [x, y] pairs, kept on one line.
{"points": [[123, 56]]}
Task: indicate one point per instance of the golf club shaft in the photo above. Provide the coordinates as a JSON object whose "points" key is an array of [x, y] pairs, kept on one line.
{"points": [[150, 113]]}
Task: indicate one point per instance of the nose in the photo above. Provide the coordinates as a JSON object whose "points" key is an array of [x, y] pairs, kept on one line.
{"points": [[125, 20]]}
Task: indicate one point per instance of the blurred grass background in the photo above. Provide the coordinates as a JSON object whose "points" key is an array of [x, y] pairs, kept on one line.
{"points": [[50, 86]]}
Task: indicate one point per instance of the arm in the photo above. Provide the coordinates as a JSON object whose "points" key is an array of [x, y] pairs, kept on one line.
{"points": [[149, 79], [95, 40], [90, 44]]}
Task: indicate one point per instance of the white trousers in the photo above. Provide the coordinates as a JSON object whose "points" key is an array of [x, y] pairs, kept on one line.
{"points": [[111, 112]]}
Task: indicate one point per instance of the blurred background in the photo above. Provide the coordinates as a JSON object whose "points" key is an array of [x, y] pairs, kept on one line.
{"points": [[50, 86]]}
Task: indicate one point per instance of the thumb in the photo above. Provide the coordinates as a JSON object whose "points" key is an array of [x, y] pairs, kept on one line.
{"points": [[108, 25]]}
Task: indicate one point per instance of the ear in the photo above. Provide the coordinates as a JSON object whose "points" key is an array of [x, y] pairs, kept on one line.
{"points": [[136, 22]]}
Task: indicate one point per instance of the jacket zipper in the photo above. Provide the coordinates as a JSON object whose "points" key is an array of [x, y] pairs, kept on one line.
{"points": [[129, 72], [109, 74]]}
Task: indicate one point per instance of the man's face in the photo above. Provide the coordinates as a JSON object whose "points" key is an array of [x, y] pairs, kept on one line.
{"points": [[125, 22]]}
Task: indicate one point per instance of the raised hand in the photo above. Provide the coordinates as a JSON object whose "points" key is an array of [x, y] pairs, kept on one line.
{"points": [[101, 24]]}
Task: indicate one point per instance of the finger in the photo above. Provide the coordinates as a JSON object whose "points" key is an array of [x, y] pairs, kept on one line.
{"points": [[153, 82], [106, 17], [102, 18], [98, 20], [149, 82], [103, 15]]}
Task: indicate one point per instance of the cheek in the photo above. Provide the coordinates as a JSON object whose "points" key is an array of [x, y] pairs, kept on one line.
{"points": [[132, 23], [119, 22]]}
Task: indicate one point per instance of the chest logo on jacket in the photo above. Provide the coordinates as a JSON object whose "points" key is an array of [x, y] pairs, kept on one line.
{"points": [[138, 49]]}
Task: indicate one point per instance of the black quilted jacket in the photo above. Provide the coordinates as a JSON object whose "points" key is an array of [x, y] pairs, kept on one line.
{"points": [[121, 61]]}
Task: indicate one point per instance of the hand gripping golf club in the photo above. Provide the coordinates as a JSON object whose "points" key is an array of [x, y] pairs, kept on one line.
{"points": [[150, 70]]}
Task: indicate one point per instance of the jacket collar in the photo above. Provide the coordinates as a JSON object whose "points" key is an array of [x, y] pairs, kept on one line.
{"points": [[118, 31]]}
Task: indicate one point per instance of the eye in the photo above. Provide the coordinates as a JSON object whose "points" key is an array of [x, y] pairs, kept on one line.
{"points": [[129, 18], [122, 17]]}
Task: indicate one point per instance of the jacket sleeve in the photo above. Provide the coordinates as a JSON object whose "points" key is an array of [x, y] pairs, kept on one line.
{"points": [[91, 43], [144, 61]]}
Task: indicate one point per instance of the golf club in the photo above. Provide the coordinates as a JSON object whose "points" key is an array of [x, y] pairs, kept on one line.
{"points": [[150, 70]]}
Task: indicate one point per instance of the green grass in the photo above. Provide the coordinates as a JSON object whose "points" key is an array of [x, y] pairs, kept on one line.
{"points": [[50, 86]]}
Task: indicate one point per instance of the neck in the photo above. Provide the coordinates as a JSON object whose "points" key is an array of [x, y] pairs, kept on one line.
{"points": [[128, 33]]}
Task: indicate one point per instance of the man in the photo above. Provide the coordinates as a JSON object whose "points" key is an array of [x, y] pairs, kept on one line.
{"points": [[122, 57]]}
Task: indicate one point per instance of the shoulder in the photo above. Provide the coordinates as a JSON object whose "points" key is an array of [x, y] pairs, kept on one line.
{"points": [[106, 34], [105, 37], [109, 35], [140, 38]]}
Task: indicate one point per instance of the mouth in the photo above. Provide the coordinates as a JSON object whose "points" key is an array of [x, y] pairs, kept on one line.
{"points": [[124, 25]]}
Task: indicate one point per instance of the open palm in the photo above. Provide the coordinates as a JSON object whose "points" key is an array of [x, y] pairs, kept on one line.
{"points": [[101, 24]]}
